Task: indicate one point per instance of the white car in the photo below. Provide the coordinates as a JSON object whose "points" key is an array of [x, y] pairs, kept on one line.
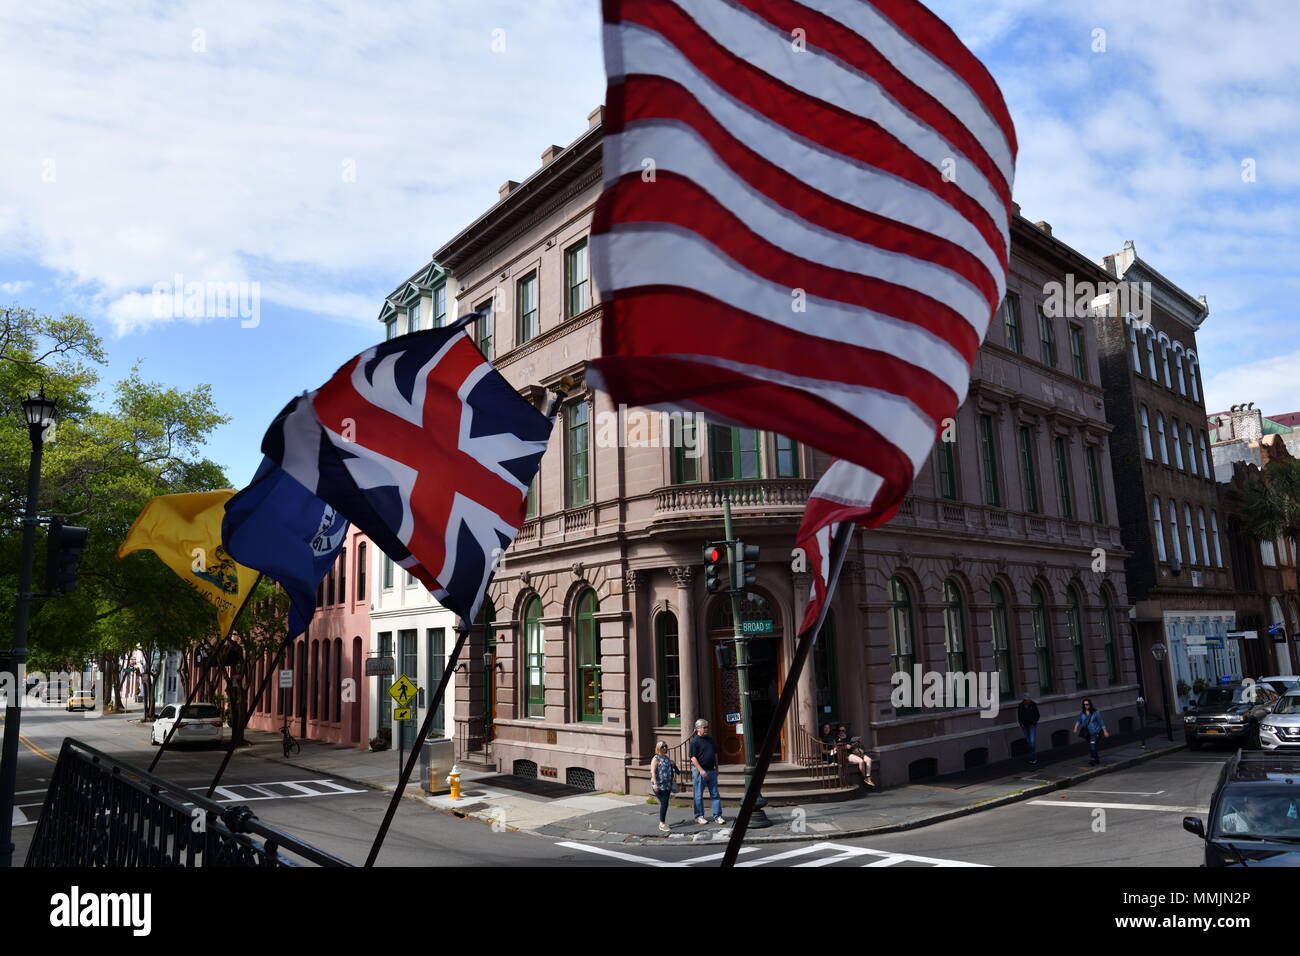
{"points": [[1281, 728], [198, 723]]}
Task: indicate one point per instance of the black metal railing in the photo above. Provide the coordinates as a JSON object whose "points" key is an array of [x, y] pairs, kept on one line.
{"points": [[100, 811]]}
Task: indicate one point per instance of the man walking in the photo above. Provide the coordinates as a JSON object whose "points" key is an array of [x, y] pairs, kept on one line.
{"points": [[704, 770], [1027, 714]]}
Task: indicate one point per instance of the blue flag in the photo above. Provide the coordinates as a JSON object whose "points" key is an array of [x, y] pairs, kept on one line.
{"points": [[278, 527]]}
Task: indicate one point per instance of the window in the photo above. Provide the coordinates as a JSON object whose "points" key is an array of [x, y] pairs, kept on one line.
{"points": [[534, 660], [1029, 469], [439, 306], [530, 510], [1164, 361], [1151, 353], [1182, 381], [1002, 643], [577, 280], [330, 593], [1191, 534], [1076, 353], [1206, 558], [385, 712], [361, 571], [670, 692], [1108, 640], [526, 304], [588, 657], [1133, 344], [390, 329], [733, 453], [1146, 433], [825, 671], [1074, 624], [1191, 379], [1046, 338], [1063, 477], [1205, 458], [1011, 321], [1173, 532], [1160, 435], [787, 457], [413, 316], [954, 628], [1191, 451], [435, 644], [343, 575], [1160, 529], [946, 469], [576, 456], [1177, 442], [1214, 532], [989, 461], [388, 572], [902, 648], [686, 449], [1094, 484], [1042, 639], [483, 329], [410, 579], [1268, 554]]}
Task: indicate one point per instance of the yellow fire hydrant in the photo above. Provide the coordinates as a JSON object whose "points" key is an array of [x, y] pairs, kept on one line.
{"points": [[453, 778]]}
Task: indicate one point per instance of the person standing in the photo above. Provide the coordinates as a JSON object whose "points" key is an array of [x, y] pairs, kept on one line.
{"points": [[662, 770], [1091, 726], [704, 772], [1027, 715]]}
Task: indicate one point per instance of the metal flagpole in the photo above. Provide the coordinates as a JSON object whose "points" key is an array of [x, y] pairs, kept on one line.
{"points": [[248, 711], [839, 550], [462, 629]]}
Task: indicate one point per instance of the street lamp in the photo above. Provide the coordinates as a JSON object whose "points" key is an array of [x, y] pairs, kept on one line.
{"points": [[1158, 652], [39, 412]]}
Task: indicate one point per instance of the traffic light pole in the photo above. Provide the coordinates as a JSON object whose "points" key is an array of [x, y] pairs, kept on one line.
{"points": [[18, 654], [758, 819]]}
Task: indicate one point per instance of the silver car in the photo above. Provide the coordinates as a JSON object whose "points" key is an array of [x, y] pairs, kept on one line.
{"points": [[1281, 728]]}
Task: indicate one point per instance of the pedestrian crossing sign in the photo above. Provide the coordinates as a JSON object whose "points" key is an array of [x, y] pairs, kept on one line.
{"points": [[403, 690], [402, 713]]}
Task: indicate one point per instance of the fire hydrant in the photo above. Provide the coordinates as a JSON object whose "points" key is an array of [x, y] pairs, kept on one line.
{"points": [[453, 778]]}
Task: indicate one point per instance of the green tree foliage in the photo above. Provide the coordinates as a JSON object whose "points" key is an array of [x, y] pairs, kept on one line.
{"points": [[1272, 507]]}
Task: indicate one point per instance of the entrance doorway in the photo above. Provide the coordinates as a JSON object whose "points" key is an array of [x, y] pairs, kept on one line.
{"points": [[765, 675]]}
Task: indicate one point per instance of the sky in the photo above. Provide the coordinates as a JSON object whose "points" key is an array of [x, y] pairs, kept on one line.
{"points": [[320, 153]]}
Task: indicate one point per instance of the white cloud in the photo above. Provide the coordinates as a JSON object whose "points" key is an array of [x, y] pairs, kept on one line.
{"points": [[15, 287]]}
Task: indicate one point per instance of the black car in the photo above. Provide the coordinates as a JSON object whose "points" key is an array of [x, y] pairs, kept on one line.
{"points": [[1228, 713], [1254, 813]]}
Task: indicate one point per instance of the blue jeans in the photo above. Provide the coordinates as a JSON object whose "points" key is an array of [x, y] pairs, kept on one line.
{"points": [[699, 780], [1031, 738], [1092, 745], [664, 796]]}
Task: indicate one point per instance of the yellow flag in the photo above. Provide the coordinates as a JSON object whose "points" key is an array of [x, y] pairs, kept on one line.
{"points": [[185, 532]]}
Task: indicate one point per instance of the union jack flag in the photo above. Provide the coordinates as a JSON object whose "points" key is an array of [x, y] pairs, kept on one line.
{"points": [[805, 226], [422, 445]]}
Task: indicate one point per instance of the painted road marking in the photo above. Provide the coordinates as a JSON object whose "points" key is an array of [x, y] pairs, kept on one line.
{"points": [[838, 853], [1118, 806], [229, 793], [1123, 793]]}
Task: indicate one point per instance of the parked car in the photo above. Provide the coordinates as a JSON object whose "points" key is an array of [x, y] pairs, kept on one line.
{"points": [[1230, 713], [1283, 684], [1254, 813], [81, 700], [198, 723], [1280, 730]]}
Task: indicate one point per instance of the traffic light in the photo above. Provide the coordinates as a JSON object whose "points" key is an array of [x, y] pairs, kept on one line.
{"points": [[746, 565], [63, 546], [715, 555], [725, 653]]}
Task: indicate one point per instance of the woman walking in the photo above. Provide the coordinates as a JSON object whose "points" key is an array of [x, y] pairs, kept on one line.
{"points": [[1091, 726], [662, 770]]}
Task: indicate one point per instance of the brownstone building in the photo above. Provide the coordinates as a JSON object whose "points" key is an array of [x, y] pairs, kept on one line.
{"points": [[1005, 563]]}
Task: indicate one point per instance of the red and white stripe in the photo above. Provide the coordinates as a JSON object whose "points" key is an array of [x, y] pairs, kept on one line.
{"points": [[805, 226]]}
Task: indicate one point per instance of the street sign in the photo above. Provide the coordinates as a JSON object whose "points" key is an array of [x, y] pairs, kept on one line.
{"points": [[381, 667], [286, 679], [733, 718], [1246, 635], [402, 713], [755, 627], [403, 690]]}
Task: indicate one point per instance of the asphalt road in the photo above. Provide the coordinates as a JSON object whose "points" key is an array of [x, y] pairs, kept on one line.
{"points": [[1131, 817]]}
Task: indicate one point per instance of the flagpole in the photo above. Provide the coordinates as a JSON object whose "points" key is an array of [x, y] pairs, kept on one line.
{"points": [[462, 631], [248, 711], [839, 550]]}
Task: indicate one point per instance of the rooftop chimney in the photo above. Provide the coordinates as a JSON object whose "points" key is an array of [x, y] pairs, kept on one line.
{"points": [[550, 153], [1045, 226], [506, 189], [596, 117]]}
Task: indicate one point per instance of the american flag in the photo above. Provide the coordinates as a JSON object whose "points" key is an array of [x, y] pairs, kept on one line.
{"points": [[805, 227], [422, 445]]}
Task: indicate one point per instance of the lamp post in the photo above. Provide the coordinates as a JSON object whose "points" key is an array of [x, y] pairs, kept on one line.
{"points": [[39, 413], [1158, 652]]}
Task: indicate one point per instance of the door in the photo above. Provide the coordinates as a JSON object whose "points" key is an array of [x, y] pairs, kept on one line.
{"points": [[764, 677], [409, 664]]}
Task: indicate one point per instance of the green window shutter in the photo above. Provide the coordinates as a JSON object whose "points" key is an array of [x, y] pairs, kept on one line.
{"points": [[670, 696], [989, 462], [1094, 484], [1011, 321], [1029, 469], [534, 661], [787, 458], [1063, 478], [526, 303], [588, 657], [577, 279], [440, 306], [946, 467], [577, 455], [686, 458]]}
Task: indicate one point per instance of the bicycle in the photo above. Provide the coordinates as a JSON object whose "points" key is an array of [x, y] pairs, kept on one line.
{"points": [[291, 746]]}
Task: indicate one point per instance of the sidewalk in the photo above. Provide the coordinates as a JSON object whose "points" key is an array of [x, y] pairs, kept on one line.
{"points": [[558, 811]]}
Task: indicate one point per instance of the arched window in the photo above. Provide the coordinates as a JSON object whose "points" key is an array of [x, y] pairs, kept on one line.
{"points": [[902, 647], [1206, 557], [1042, 638], [1205, 459], [1146, 433], [1108, 639], [1133, 343], [1178, 443], [1151, 353], [1160, 436], [534, 660], [587, 635], [1182, 381], [954, 628], [1074, 624], [1191, 533], [1191, 451], [1173, 532], [1164, 360], [1214, 530], [670, 688], [1002, 657], [1160, 528], [1192, 366]]}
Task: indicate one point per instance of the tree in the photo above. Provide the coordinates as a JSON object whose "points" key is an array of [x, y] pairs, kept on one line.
{"points": [[257, 635], [1272, 505]]}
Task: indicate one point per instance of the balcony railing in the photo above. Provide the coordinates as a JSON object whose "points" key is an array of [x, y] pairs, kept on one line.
{"points": [[758, 493]]}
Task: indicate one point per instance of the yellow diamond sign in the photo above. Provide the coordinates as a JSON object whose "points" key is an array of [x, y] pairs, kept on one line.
{"points": [[403, 690]]}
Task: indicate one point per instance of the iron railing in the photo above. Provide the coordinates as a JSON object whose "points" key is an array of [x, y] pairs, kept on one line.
{"points": [[100, 811]]}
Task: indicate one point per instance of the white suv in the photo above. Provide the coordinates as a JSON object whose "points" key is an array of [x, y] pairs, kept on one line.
{"points": [[198, 723], [1281, 728]]}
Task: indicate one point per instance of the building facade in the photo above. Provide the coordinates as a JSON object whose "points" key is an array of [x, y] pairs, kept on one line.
{"points": [[598, 638]]}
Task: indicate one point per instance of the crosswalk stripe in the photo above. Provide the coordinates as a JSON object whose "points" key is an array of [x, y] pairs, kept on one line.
{"points": [[1117, 806]]}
